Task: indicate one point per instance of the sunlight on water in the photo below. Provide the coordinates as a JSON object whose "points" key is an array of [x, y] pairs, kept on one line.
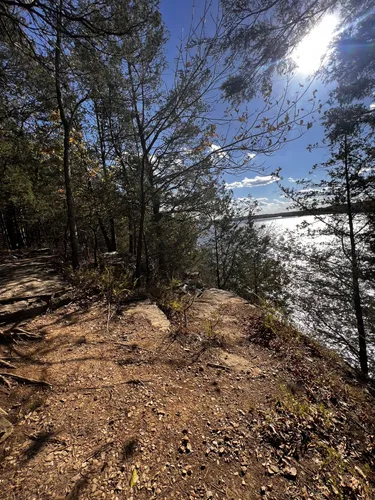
{"points": [[304, 233]]}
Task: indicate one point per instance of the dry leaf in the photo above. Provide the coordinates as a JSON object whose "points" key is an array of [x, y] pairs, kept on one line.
{"points": [[134, 478]]}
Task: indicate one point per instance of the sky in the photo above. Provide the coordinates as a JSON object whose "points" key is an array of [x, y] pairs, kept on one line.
{"points": [[294, 159]]}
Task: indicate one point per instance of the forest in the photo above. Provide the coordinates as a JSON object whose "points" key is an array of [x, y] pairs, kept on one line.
{"points": [[112, 141]]}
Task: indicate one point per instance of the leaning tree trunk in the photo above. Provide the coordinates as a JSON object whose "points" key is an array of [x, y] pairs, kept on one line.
{"points": [[363, 360]]}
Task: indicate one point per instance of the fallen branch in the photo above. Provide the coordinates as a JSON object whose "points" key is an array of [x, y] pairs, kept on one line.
{"points": [[131, 347], [25, 380], [221, 367], [18, 333], [5, 381], [130, 382], [5, 364]]}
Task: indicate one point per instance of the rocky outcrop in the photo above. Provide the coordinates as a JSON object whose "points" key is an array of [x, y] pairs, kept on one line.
{"points": [[29, 286]]}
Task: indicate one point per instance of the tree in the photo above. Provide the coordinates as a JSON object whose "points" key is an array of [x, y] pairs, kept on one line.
{"points": [[139, 149], [165, 137], [237, 255], [341, 267], [27, 134], [226, 234], [67, 27], [351, 64], [264, 33], [260, 275]]}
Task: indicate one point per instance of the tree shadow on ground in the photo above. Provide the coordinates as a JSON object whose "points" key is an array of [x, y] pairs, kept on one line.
{"points": [[39, 441], [78, 488]]}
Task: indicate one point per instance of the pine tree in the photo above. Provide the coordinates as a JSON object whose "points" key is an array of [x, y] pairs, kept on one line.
{"points": [[341, 303]]}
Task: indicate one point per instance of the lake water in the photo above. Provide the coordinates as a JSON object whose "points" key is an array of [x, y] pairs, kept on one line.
{"points": [[320, 294]]}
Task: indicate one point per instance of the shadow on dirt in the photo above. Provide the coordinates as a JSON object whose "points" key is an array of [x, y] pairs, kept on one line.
{"points": [[38, 443]]}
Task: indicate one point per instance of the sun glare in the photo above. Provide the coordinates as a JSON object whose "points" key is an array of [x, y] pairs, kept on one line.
{"points": [[310, 53]]}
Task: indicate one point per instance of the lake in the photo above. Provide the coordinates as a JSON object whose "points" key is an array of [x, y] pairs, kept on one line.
{"points": [[320, 294]]}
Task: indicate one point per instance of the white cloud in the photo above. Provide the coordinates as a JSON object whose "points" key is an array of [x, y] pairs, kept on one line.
{"points": [[366, 170], [272, 206], [292, 180], [254, 182], [215, 148], [243, 205], [251, 155]]}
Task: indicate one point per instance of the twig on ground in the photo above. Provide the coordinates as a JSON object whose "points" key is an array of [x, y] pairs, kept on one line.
{"points": [[221, 367], [17, 333], [5, 381], [25, 380], [98, 387], [5, 364]]}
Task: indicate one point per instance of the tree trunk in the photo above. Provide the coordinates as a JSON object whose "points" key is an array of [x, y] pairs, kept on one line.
{"points": [[70, 202], [13, 233], [138, 264], [66, 164], [159, 239], [108, 240], [95, 249], [4, 232], [131, 236], [147, 258], [363, 360], [144, 169], [113, 234], [111, 243], [217, 259], [139, 248]]}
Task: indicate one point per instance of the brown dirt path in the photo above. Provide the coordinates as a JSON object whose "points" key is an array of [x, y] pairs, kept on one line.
{"points": [[27, 285], [176, 408]]}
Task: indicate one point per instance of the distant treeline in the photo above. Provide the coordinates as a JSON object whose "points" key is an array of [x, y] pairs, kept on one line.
{"points": [[332, 209]]}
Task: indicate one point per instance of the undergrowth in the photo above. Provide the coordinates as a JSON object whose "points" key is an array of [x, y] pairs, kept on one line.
{"points": [[298, 431]]}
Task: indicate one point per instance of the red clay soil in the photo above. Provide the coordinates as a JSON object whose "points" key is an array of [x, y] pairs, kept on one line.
{"points": [[139, 409]]}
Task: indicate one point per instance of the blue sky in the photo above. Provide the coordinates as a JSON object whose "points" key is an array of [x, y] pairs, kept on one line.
{"points": [[294, 159]]}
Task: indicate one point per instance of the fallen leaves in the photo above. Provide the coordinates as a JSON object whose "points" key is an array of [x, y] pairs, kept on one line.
{"points": [[134, 478]]}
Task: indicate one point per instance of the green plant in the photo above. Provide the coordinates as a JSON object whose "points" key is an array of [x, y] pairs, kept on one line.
{"points": [[292, 405]]}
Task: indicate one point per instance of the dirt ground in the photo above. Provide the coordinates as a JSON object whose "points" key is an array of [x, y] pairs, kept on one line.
{"points": [[138, 409], [28, 282]]}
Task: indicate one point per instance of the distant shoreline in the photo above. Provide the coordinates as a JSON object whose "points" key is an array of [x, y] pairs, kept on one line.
{"points": [[340, 209]]}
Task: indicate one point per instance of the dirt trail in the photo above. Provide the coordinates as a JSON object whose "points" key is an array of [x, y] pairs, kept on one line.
{"points": [[127, 397], [27, 286], [138, 400]]}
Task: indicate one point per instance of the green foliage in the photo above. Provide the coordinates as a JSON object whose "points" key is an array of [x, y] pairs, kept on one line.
{"points": [[238, 255], [276, 320], [301, 408], [110, 284], [115, 286], [174, 302]]}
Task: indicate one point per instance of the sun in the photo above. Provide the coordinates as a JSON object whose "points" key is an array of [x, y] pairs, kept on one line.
{"points": [[310, 53]]}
